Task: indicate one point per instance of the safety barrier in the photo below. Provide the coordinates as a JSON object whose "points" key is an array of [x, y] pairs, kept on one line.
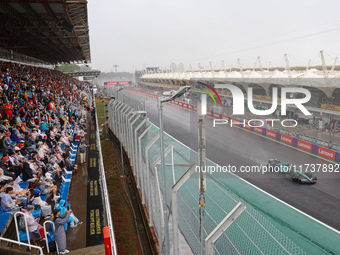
{"points": [[17, 228], [24, 244], [105, 195], [289, 140], [46, 236], [250, 233]]}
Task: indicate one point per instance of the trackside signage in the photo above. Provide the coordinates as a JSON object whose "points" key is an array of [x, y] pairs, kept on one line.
{"points": [[271, 134], [236, 122], [286, 139], [258, 130], [247, 126], [216, 115], [115, 83], [304, 145], [327, 153]]}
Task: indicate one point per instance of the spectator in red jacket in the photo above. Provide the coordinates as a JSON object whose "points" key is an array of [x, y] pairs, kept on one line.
{"points": [[8, 110]]}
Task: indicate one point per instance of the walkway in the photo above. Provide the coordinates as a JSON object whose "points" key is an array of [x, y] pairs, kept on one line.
{"points": [[85, 198]]}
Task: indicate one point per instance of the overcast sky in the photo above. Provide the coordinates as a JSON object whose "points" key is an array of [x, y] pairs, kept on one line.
{"points": [[138, 33]]}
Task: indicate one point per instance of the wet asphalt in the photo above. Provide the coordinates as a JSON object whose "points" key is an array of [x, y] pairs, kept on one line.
{"points": [[236, 147]]}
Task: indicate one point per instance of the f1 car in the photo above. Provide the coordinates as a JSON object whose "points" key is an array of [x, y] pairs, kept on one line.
{"points": [[275, 165]]}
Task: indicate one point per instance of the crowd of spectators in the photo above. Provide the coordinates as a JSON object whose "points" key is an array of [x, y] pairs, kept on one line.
{"points": [[41, 112]]}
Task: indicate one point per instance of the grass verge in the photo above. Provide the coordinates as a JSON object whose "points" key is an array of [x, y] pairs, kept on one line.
{"points": [[122, 214]]}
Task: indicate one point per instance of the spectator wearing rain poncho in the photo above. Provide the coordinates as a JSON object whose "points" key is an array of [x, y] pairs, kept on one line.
{"points": [[53, 167], [46, 209], [18, 194], [73, 220], [59, 229], [33, 226], [4, 178], [47, 186], [44, 126], [7, 203]]}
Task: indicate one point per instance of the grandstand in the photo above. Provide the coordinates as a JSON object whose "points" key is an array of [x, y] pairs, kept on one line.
{"points": [[320, 80], [50, 31], [44, 117]]}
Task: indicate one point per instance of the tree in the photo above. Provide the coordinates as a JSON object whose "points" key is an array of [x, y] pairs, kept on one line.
{"points": [[68, 68], [85, 68], [122, 75]]}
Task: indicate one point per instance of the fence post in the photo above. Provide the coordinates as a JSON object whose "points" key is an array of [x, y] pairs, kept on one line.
{"points": [[129, 137], [132, 140], [136, 130], [124, 122], [164, 202], [126, 128], [117, 114], [147, 148], [174, 207], [139, 164], [220, 228]]}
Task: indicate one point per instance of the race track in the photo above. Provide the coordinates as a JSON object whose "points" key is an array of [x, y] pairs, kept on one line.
{"points": [[237, 147]]}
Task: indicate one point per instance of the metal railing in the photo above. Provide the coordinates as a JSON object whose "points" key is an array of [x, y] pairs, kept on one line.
{"points": [[46, 238], [17, 228], [23, 244], [14, 57], [105, 193]]}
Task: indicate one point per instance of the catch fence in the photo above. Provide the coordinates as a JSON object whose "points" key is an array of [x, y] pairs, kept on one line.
{"points": [[250, 233]]}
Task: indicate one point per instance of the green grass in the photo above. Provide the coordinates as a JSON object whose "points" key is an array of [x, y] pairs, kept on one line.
{"points": [[100, 110], [122, 214]]}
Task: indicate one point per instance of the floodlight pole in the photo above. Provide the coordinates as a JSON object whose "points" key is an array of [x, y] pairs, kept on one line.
{"points": [[166, 226], [201, 112], [160, 102]]}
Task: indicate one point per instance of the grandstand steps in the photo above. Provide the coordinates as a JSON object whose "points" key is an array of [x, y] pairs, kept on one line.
{"points": [[14, 249], [21, 250], [92, 250]]}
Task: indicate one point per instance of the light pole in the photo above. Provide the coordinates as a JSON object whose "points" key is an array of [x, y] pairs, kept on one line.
{"points": [[201, 112], [171, 95]]}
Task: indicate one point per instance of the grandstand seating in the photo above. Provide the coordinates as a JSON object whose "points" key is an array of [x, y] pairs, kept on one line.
{"points": [[21, 89], [63, 193]]}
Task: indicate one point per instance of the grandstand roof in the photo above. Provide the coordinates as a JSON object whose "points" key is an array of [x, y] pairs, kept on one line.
{"points": [[50, 30]]}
